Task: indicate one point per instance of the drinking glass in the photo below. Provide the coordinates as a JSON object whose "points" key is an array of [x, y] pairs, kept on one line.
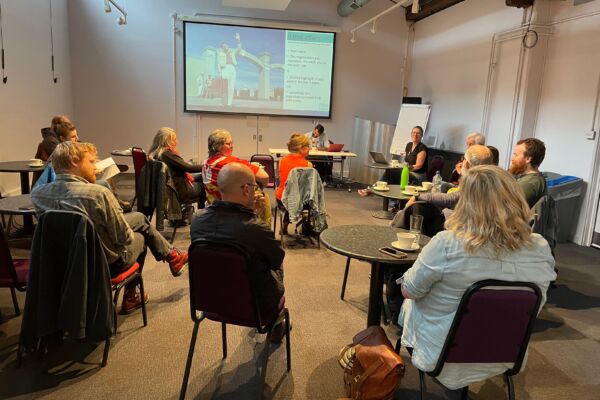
{"points": [[416, 223]]}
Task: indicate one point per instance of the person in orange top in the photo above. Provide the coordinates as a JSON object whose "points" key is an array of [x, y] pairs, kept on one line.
{"points": [[299, 145]]}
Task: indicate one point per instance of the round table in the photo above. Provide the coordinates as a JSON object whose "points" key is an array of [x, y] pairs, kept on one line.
{"points": [[394, 193], [23, 168], [363, 242]]}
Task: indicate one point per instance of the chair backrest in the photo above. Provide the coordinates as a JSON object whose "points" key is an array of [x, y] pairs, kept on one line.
{"points": [[493, 324], [220, 286], [139, 160], [545, 219], [304, 187], [436, 164], [8, 275], [268, 162]]}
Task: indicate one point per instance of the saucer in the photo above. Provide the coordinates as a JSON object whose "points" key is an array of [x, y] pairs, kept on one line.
{"points": [[385, 189], [408, 193], [414, 247], [36, 165], [422, 189]]}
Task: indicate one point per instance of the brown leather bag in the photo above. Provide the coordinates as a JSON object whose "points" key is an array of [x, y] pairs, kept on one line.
{"points": [[372, 369]]}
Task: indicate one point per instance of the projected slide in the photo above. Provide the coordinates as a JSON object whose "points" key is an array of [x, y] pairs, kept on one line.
{"points": [[250, 70]]}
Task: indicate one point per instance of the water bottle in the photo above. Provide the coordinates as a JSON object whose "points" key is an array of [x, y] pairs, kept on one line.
{"points": [[437, 183], [404, 177]]}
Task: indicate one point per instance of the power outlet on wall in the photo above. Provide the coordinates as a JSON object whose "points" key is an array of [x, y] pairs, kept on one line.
{"points": [[591, 135]]}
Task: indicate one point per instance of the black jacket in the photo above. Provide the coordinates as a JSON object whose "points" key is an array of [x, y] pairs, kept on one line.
{"points": [[69, 287], [179, 169], [236, 224]]}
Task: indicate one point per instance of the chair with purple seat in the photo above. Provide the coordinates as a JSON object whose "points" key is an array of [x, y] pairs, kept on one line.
{"points": [[13, 272], [216, 271], [268, 162], [493, 324]]}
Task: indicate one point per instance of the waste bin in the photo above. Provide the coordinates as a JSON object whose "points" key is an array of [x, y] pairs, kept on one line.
{"points": [[566, 191]]}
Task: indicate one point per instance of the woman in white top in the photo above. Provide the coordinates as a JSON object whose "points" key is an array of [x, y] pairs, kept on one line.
{"points": [[488, 237]]}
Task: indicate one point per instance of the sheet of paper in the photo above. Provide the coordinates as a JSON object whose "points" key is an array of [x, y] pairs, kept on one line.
{"points": [[107, 168]]}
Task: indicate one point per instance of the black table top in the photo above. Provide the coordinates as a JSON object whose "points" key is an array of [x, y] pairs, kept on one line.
{"points": [[19, 166], [362, 242], [394, 193], [17, 205]]}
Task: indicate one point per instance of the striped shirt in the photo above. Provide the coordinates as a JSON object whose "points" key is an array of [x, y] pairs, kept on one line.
{"points": [[73, 193], [210, 171]]}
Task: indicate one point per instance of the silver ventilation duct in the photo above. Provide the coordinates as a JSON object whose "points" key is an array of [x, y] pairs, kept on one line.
{"points": [[347, 7]]}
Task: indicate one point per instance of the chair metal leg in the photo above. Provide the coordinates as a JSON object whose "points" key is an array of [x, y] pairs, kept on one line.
{"points": [[275, 219], [188, 364], [422, 384], [345, 278], [288, 347], [115, 301], [105, 356], [19, 354], [144, 315], [265, 360], [174, 232], [13, 293], [224, 337], [398, 345], [509, 386]]}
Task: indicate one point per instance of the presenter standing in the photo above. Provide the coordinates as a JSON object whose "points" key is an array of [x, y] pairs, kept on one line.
{"points": [[227, 62]]}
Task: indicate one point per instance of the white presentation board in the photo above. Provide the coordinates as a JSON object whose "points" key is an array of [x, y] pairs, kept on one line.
{"points": [[410, 116]]}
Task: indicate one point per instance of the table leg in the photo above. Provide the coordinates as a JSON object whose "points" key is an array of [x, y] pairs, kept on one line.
{"points": [[25, 189], [375, 295]]}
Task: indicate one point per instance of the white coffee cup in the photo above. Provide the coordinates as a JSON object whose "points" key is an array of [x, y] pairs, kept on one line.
{"points": [[36, 161], [381, 184], [427, 185], [410, 189], [405, 239]]}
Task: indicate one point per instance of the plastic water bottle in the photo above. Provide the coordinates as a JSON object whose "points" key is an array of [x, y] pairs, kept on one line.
{"points": [[404, 177], [437, 183]]}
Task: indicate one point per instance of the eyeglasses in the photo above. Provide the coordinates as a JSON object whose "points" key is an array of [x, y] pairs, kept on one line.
{"points": [[249, 184]]}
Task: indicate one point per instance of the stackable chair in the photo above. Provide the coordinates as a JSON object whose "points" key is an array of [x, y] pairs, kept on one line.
{"points": [[436, 164], [268, 162], [13, 272], [139, 160], [69, 288], [493, 324], [222, 290]]}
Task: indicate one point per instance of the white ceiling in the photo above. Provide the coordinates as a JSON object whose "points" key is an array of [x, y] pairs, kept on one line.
{"points": [[279, 5]]}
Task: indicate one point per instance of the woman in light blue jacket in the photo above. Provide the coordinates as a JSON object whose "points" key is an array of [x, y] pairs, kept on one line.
{"points": [[488, 237]]}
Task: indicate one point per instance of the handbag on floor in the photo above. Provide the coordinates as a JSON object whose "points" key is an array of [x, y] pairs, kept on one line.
{"points": [[372, 369]]}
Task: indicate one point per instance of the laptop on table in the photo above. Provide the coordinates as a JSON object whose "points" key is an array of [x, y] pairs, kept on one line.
{"points": [[379, 158], [335, 147]]}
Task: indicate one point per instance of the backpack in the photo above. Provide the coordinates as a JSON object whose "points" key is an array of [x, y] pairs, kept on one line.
{"points": [[372, 369]]}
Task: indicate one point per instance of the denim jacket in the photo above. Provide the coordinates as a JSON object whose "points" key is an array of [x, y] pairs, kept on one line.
{"points": [[304, 187]]}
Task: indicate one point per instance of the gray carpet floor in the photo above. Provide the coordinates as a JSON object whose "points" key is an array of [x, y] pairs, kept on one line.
{"points": [[148, 362]]}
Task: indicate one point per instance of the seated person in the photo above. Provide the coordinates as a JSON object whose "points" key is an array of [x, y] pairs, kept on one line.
{"points": [[189, 187], [233, 219], [220, 153], [66, 132], [124, 236], [487, 237], [475, 155], [298, 146], [415, 157], [495, 155], [472, 138], [527, 157], [49, 139], [319, 141]]}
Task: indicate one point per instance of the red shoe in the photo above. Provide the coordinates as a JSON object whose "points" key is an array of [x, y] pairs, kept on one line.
{"points": [[177, 261], [132, 301]]}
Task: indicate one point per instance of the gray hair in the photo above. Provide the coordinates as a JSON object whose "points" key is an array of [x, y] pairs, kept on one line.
{"points": [[162, 141], [216, 140], [479, 155], [479, 137]]}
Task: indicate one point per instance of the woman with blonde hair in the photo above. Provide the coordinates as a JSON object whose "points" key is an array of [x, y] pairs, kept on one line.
{"points": [[487, 237], [189, 187]]}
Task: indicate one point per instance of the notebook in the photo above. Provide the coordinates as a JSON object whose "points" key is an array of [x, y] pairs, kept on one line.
{"points": [[379, 158], [335, 147]]}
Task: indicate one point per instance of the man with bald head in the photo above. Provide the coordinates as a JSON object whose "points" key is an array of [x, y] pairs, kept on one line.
{"points": [[233, 219], [476, 154]]}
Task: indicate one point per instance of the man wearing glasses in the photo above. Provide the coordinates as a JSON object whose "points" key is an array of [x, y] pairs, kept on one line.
{"points": [[233, 219]]}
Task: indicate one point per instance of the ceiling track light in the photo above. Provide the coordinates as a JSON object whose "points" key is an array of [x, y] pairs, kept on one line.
{"points": [[373, 21], [122, 20], [352, 39], [373, 28], [415, 7]]}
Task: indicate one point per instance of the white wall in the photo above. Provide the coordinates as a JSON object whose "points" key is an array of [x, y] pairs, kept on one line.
{"points": [[449, 68], [124, 77], [29, 99]]}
